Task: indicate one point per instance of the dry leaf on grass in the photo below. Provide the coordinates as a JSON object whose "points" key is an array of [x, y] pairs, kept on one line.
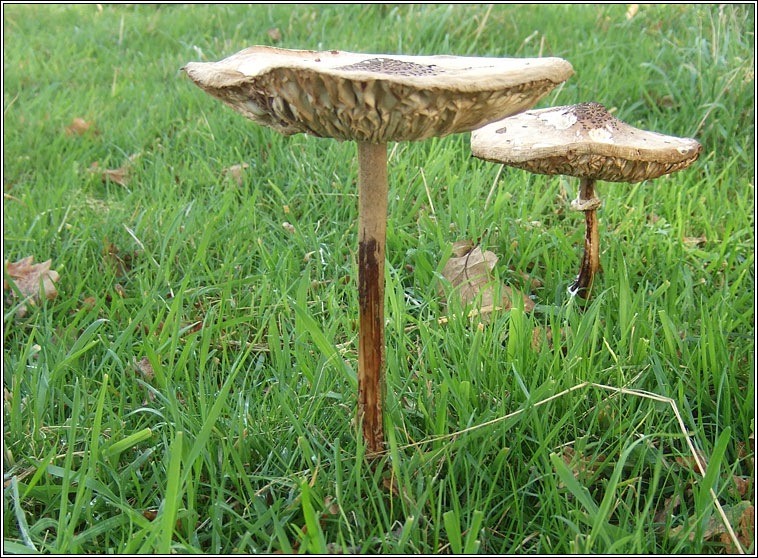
{"points": [[79, 126], [526, 279], [537, 338], [694, 240], [583, 468], [236, 172], [144, 368], [739, 516], [112, 257], [274, 34], [745, 530], [689, 462], [469, 272], [669, 507], [120, 176], [27, 277]]}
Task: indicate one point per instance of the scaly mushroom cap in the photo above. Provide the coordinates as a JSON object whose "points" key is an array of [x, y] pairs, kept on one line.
{"points": [[582, 140], [375, 98]]}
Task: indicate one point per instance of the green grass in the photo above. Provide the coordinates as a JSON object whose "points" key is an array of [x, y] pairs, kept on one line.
{"points": [[244, 440]]}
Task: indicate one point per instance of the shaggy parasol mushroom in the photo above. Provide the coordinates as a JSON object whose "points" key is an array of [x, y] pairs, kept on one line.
{"points": [[374, 99], [585, 141]]}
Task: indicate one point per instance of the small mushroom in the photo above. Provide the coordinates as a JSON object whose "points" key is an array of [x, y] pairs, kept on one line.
{"points": [[374, 99], [585, 141]]}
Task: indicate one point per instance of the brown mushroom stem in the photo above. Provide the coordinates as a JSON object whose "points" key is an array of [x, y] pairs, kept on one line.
{"points": [[372, 226], [588, 203]]}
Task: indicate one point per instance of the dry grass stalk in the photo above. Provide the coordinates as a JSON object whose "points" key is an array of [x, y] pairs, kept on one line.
{"points": [[617, 390]]}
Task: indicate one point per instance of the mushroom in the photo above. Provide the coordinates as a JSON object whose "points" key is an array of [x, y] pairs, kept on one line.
{"points": [[585, 141], [374, 99]]}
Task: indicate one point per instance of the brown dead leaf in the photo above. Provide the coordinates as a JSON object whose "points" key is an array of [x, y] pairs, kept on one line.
{"points": [[79, 126], [743, 485], [144, 368], [274, 34], [739, 516], [88, 303], [112, 257], [27, 277], [694, 240], [532, 282], [120, 176], [537, 338], [580, 466], [469, 272], [745, 531], [462, 247], [236, 172], [288, 227], [119, 290], [689, 462], [331, 506], [669, 506]]}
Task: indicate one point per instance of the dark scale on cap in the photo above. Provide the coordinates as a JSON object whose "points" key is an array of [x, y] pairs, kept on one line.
{"points": [[394, 67], [593, 115]]}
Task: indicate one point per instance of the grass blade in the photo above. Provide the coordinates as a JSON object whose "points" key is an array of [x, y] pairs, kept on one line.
{"points": [[172, 497]]}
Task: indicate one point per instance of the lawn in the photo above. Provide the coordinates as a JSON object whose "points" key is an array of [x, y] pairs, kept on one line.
{"points": [[192, 386]]}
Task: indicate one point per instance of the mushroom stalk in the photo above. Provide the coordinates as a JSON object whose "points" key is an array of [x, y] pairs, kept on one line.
{"points": [[372, 226], [588, 203]]}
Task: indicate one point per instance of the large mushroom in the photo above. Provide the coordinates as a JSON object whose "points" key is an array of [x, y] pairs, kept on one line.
{"points": [[374, 99], [585, 141]]}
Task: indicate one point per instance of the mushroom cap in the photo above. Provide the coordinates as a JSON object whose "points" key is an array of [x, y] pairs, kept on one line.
{"points": [[375, 98], [582, 140]]}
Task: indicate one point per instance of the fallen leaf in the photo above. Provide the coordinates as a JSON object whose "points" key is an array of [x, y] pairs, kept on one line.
{"points": [[113, 258], [533, 282], [469, 272], [632, 10], [694, 241], [288, 227], [89, 302], [740, 514], [331, 506], [120, 176], [537, 338], [743, 485], [236, 172], [689, 462], [274, 34], [27, 277], [669, 505], [144, 368], [580, 466], [745, 531], [79, 126]]}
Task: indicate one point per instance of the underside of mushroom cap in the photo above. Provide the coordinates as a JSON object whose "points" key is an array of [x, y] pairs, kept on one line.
{"points": [[375, 98], [582, 140]]}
